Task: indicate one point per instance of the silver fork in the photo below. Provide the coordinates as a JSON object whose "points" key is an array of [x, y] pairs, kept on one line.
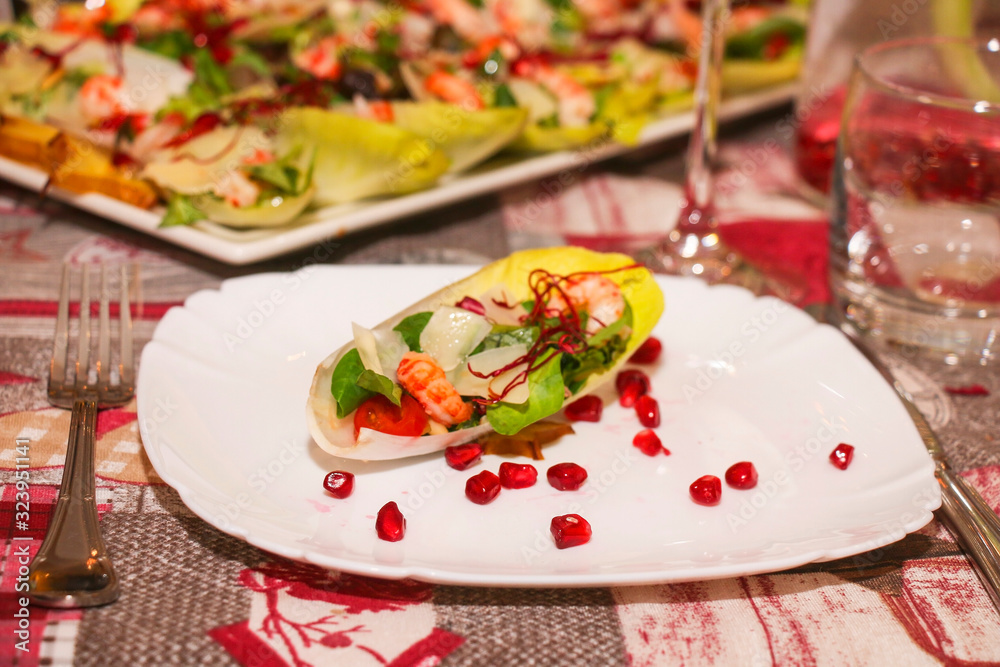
{"points": [[72, 567]]}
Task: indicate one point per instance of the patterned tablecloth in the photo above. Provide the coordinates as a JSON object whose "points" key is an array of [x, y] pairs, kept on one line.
{"points": [[193, 595]]}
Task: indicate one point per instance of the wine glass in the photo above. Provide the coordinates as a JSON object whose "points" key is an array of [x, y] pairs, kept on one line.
{"points": [[694, 247]]}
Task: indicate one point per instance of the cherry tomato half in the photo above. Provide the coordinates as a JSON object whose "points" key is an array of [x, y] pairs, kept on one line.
{"points": [[379, 414]]}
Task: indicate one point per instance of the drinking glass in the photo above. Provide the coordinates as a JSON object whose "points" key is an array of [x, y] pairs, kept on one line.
{"points": [[838, 31], [915, 245]]}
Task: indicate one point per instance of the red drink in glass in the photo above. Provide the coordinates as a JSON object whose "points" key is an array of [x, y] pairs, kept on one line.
{"points": [[816, 138], [915, 250]]}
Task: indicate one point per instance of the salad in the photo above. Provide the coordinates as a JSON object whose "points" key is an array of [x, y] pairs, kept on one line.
{"points": [[497, 351], [248, 113]]}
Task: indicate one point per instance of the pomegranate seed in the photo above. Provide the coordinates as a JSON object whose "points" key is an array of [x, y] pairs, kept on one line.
{"points": [[841, 455], [648, 352], [648, 411], [630, 395], [968, 390], [339, 483], [586, 409], [390, 523], [517, 475], [566, 476], [463, 457], [570, 530], [706, 490], [631, 384], [648, 442], [742, 476], [482, 488]]}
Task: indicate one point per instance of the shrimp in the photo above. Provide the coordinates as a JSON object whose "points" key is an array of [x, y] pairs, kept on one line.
{"points": [[259, 156], [150, 19], [467, 21], [416, 32], [451, 88], [523, 22], [321, 59], [597, 295], [378, 110], [236, 189], [420, 375], [575, 103], [102, 96], [154, 138], [676, 22]]}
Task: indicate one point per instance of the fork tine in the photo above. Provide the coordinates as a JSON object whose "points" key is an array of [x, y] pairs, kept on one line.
{"points": [[126, 370], [83, 342], [104, 335], [60, 343]]}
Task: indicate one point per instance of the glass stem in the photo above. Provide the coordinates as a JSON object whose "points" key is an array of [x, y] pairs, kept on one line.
{"points": [[698, 214]]}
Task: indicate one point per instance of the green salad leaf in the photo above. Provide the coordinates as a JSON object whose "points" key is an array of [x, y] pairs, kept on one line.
{"points": [[615, 328], [180, 212], [466, 137], [357, 158], [380, 384], [507, 336], [286, 173], [545, 397], [752, 43], [344, 386], [605, 347], [410, 329]]}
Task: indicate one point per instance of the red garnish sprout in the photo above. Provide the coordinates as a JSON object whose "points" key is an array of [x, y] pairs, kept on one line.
{"points": [[560, 330]]}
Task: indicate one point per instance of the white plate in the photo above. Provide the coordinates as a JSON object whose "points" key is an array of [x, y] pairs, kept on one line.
{"points": [[244, 247], [223, 385]]}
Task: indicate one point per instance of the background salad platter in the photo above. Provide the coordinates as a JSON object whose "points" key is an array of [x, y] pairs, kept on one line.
{"points": [[238, 247], [741, 378]]}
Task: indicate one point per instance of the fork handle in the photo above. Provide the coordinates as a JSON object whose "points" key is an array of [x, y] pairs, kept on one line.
{"points": [[72, 567]]}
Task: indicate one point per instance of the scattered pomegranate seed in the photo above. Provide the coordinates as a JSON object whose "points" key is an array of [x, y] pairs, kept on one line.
{"points": [[706, 490], [742, 476], [570, 530], [482, 488], [586, 409], [463, 457], [631, 384], [566, 476], [648, 411], [648, 442], [648, 352], [339, 483], [390, 523], [841, 455], [968, 390], [517, 475]]}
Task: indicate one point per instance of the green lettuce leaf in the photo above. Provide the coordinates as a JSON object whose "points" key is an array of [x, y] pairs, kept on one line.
{"points": [[357, 158], [508, 336], [181, 212], [271, 210], [380, 384], [545, 397], [410, 329], [466, 137], [344, 384], [752, 44]]}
